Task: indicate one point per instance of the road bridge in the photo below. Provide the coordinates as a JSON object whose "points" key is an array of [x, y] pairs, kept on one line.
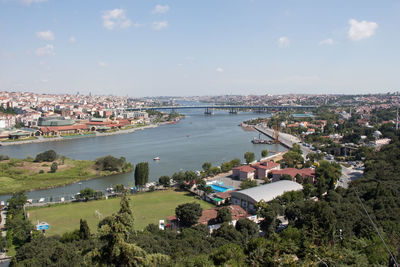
{"points": [[233, 109]]}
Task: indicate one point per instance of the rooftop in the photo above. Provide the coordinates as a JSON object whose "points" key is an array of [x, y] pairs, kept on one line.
{"points": [[268, 192]]}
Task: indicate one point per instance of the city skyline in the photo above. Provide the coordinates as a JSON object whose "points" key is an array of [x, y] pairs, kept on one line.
{"points": [[152, 48]]}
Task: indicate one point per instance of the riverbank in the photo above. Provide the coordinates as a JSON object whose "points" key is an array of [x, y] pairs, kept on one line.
{"points": [[42, 139], [27, 175]]}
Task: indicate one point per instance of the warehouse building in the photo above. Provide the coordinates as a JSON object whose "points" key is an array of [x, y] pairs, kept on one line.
{"points": [[267, 192]]}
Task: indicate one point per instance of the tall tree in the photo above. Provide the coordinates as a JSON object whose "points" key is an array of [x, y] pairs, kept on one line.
{"points": [[84, 231], [141, 174]]}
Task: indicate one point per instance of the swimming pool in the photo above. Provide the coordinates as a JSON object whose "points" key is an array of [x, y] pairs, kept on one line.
{"points": [[220, 188]]}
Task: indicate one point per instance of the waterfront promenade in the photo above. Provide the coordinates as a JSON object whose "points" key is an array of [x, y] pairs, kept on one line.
{"points": [[285, 139]]}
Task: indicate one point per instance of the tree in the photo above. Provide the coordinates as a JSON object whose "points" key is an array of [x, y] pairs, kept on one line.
{"points": [[286, 177], [248, 183], [119, 188], [49, 155], [188, 214], [264, 153], [235, 162], [110, 163], [249, 157], [229, 255], [114, 233], [224, 215], [165, 181], [53, 167], [206, 166], [247, 228], [141, 174], [86, 194], [328, 173], [226, 166], [62, 159], [84, 231]]}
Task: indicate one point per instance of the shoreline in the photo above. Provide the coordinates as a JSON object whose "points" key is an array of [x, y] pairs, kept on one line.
{"points": [[72, 182], [97, 134]]}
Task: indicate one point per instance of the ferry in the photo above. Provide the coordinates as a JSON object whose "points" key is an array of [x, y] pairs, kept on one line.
{"points": [[156, 158]]}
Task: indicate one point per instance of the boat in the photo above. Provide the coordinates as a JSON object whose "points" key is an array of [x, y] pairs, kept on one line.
{"points": [[156, 158]]}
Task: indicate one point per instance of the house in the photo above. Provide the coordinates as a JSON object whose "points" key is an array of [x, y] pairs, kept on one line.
{"points": [[244, 172], [265, 167], [306, 173], [208, 217]]}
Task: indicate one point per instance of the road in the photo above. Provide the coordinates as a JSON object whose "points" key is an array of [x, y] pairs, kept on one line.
{"points": [[348, 174]]}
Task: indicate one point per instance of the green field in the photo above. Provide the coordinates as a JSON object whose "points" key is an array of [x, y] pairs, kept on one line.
{"points": [[147, 208], [25, 174]]}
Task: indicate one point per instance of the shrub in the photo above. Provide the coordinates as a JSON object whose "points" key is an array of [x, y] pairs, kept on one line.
{"points": [[4, 157], [53, 167], [41, 171], [49, 156]]}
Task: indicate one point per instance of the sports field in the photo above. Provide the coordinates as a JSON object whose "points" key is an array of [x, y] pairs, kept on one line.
{"points": [[147, 208]]}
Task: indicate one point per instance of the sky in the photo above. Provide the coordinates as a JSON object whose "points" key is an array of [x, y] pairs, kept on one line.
{"points": [[208, 47]]}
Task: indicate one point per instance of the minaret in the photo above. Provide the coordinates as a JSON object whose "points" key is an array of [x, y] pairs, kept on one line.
{"points": [[397, 117]]}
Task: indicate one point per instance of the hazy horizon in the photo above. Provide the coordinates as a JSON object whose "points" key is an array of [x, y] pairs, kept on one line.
{"points": [[189, 48]]}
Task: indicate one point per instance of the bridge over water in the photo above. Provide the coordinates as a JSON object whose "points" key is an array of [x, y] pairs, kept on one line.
{"points": [[233, 109]]}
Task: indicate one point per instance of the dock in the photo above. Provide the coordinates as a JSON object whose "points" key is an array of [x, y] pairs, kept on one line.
{"points": [[284, 139]]}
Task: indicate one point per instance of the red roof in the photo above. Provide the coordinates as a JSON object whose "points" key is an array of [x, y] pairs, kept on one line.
{"points": [[266, 165], [63, 128], [293, 172], [224, 195], [245, 168]]}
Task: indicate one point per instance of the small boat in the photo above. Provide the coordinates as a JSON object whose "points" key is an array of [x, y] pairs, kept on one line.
{"points": [[187, 135], [156, 158]]}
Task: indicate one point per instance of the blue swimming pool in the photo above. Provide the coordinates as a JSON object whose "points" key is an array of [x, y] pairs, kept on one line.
{"points": [[220, 188]]}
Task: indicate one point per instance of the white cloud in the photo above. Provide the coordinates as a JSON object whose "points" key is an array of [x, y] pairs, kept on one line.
{"points": [[283, 41], [115, 18], [328, 41], [102, 64], [361, 29], [45, 35], [137, 25], [160, 9], [159, 25], [29, 2], [72, 40], [47, 50], [179, 65], [189, 58], [219, 69]]}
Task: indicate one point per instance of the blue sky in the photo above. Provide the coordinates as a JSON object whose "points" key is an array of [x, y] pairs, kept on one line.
{"points": [[188, 47]]}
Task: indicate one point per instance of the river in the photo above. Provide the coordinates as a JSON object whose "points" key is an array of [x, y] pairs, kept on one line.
{"points": [[184, 146]]}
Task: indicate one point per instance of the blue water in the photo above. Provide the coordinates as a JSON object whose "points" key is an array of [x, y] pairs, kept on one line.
{"points": [[219, 188]]}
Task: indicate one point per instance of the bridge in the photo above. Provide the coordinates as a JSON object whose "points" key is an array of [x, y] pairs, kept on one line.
{"points": [[233, 109]]}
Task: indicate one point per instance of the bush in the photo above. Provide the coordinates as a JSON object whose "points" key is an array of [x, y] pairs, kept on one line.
{"points": [[53, 167], [4, 157], [49, 156], [110, 163], [41, 171]]}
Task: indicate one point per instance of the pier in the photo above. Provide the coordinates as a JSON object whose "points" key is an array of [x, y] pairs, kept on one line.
{"points": [[284, 139]]}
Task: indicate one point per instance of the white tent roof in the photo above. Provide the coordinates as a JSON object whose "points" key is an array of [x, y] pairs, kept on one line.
{"points": [[267, 192]]}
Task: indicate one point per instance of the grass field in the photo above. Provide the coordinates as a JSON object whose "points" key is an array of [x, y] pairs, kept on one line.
{"points": [[24, 174], [147, 208]]}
